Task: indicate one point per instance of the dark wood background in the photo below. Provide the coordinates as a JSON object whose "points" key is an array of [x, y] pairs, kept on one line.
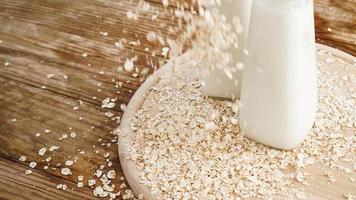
{"points": [[41, 37]]}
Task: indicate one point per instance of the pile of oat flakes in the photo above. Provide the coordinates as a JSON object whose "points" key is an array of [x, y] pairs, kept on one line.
{"points": [[193, 149]]}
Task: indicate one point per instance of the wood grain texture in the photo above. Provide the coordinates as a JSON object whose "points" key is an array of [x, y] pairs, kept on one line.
{"points": [[41, 37], [335, 23], [14, 184]]}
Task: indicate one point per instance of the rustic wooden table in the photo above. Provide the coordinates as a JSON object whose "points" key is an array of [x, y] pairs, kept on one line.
{"points": [[58, 61]]}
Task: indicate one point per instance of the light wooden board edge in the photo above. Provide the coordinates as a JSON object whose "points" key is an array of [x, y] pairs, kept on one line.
{"points": [[129, 168]]}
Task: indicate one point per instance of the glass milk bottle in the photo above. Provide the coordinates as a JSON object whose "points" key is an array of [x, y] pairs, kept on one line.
{"points": [[225, 80], [279, 88]]}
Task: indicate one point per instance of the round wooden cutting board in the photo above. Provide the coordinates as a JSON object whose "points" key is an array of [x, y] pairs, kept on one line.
{"points": [[318, 188]]}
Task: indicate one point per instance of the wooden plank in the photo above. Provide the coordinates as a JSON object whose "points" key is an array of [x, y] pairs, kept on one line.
{"points": [[36, 110], [14, 184], [81, 83], [33, 56], [88, 18], [335, 23]]}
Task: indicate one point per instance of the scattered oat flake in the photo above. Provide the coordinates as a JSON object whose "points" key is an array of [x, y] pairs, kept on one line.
{"points": [[53, 147], [69, 162], [123, 107], [80, 178], [131, 15], [106, 103], [84, 55], [22, 158], [104, 33], [42, 151], [109, 114], [118, 44], [65, 171], [33, 164], [50, 76], [91, 182], [64, 187], [98, 191], [73, 135], [98, 173], [64, 136], [80, 184], [165, 51], [111, 174], [28, 172], [129, 65], [349, 196], [122, 185]]}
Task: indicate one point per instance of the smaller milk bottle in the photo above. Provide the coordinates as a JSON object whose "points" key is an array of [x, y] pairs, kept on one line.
{"points": [[279, 88], [222, 77]]}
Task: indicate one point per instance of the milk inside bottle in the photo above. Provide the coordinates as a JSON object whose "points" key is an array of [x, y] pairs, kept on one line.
{"points": [[222, 74], [279, 91]]}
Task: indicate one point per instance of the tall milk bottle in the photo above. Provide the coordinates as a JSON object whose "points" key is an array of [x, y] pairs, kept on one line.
{"points": [[224, 80], [279, 88]]}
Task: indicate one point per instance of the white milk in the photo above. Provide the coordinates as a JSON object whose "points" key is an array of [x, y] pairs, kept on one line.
{"points": [[217, 80], [279, 89]]}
